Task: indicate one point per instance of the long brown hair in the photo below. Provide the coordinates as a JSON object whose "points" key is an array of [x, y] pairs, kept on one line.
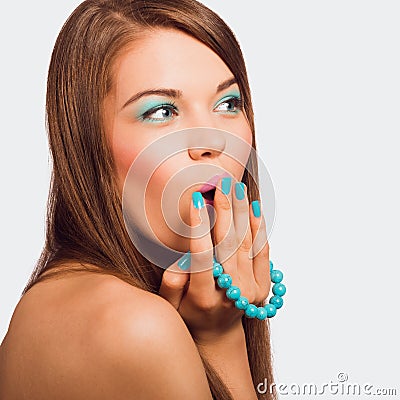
{"points": [[85, 225]]}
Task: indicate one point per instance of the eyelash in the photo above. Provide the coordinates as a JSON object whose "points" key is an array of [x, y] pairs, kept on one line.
{"points": [[238, 103], [168, 105], [172, 106]]}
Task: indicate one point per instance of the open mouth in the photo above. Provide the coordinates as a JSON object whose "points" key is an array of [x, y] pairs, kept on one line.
{"points": [[209, 195]]}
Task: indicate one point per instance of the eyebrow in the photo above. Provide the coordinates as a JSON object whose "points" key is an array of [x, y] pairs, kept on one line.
{"points": [[175, 93]]}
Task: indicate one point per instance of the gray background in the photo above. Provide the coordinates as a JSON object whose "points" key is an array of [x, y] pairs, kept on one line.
{"points": [[326, 91]]}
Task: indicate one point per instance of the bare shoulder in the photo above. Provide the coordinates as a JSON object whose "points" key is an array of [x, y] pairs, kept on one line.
{"points": [[97, 337], [143, 349]]}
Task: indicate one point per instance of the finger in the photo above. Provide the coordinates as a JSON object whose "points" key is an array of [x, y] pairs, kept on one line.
{"points": [[201, 248], [260, 250], [244, 239], [224, 228], [174, 284]]}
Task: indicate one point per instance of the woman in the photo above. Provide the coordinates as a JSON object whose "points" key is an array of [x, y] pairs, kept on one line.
{"points": [[97, 318]]}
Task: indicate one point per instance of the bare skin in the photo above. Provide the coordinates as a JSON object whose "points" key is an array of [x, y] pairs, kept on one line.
{"points": [[86, 336], [94, 323], [89, 336]]}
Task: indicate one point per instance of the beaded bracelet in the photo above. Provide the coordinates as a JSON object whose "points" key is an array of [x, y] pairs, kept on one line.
{"points": [[224, 281]]}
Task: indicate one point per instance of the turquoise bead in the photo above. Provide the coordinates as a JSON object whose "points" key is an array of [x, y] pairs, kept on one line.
{"points": [[270, 309], [233, 293], [279, 289], [217, 270], [224, 281], [241, 303], [276, 276], [262, 313], [277, 301], [251, 311]]}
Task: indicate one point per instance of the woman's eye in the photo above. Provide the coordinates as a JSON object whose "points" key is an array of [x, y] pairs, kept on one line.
{"points": [[160, 113], [230, 105]]}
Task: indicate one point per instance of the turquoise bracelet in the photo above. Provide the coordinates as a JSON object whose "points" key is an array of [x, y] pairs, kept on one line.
{"points": [[224, 281]]}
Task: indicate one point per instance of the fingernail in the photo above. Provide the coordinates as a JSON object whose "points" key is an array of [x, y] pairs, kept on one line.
{"points": [[184, 261], [226, 185], [255, 205], [198, 200], [239, 190]]}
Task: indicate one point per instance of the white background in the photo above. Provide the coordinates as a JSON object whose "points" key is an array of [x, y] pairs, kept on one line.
{"points": [[326, 90]]}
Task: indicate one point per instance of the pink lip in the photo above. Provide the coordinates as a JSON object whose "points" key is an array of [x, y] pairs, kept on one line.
{"points": [[212, 183]]}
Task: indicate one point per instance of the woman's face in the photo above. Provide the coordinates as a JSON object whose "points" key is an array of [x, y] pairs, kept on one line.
{"points": [[165, 82]]}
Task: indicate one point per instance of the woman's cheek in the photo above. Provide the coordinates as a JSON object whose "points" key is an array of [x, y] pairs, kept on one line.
{"points": [[125, 153]]}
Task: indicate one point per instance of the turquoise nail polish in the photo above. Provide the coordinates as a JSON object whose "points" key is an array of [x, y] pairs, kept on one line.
{"points": [[239, 190], [226, 185], [198, 200], [255, 205], [184, 261]]}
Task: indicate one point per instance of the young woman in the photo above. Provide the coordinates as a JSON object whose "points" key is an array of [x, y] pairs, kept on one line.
{"points": [[98, 319]]}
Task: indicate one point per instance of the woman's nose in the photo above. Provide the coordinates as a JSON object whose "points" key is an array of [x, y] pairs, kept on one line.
{"points": [[206, 142]]}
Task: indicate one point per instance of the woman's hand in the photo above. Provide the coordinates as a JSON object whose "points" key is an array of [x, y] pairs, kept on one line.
{"points": [[203, 305]]}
